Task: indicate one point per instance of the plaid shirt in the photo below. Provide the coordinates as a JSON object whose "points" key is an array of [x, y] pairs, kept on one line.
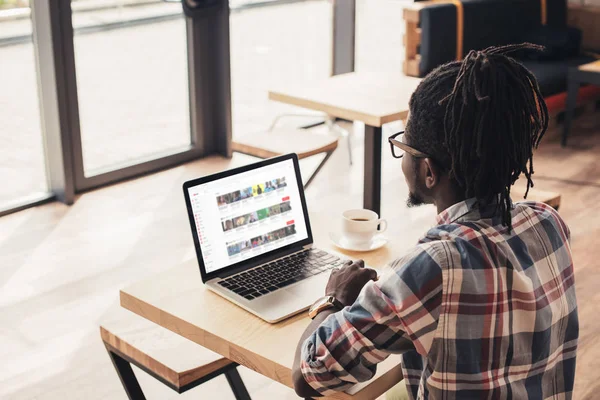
{"points": [[475, 311]]}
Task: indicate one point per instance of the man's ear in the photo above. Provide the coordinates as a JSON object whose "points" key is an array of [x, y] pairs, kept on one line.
{"points": [[431, 172]]}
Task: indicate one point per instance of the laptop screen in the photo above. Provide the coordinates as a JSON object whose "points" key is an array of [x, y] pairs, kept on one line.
{"points": [[242, 216]]}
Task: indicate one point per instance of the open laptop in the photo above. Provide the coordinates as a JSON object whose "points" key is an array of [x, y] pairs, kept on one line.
{"points": [[253, 238]]}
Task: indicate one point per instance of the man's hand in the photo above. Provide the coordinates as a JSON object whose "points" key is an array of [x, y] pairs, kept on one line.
{"points": [[346, 283]]}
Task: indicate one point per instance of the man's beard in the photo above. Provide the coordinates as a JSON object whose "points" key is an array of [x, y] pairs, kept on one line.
{"points": [[414, 200]]}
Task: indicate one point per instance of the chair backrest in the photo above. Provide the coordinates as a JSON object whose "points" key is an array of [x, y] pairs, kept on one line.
{"points": [[486, 23]]}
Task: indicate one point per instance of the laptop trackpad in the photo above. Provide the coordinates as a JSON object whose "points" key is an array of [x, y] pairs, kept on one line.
{"points": [[311, 289]]}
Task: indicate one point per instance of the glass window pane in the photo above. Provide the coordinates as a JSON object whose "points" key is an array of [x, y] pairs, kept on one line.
{"points": [[272, 46], [379, 31], [22, 161], [132, 84]]}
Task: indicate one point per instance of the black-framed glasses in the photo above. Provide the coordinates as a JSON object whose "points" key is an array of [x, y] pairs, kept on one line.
{"points": [[398, 147]]}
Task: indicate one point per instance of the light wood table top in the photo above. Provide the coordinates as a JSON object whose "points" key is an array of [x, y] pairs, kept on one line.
{"points": [[551, 198], [594, 66], [374, 99], [178, 301]]}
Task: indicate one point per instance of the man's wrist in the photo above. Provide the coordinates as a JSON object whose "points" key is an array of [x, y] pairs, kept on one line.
{"points": [[324, 303], [341, 300], [339, 304]]}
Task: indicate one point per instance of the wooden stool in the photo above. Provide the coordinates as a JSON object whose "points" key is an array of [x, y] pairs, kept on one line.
{"points": [[551, 198], [283, 141], [173, 360]]}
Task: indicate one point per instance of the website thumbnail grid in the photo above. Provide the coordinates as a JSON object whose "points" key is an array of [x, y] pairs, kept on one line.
{"points": [[251, 191], [271, 237], [255, 216], [259, 209]]}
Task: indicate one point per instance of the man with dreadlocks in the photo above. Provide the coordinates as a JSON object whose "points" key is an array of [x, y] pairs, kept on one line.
{"points": [[484, 306]]}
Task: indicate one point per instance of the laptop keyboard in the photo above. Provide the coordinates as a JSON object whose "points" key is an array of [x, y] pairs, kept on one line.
{"points": [[280, 273]]}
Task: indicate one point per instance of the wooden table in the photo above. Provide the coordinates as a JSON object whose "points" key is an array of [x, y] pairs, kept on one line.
{"points": [[374, 99], [177, 300], [587, 73]]}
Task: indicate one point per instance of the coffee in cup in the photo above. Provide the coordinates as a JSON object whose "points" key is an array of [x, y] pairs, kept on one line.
{"points": [[360, 225]]}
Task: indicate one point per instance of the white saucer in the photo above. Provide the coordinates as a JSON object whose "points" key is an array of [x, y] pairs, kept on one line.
{"points": [[340, 241]]}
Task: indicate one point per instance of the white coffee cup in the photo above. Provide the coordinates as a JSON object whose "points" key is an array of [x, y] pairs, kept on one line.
{"points": [[360, 225]]}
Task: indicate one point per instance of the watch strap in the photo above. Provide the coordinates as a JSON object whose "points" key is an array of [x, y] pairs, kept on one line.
{"points": [[331, 302], [337, 304]]}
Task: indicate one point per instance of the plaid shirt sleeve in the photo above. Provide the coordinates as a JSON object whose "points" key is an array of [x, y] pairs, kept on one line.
{"points": [[396, 314]]}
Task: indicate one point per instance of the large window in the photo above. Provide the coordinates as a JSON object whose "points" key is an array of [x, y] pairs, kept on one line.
{"points": [[388, 54], [22, 160], [132, 83], [274, 45], [97, 91]]}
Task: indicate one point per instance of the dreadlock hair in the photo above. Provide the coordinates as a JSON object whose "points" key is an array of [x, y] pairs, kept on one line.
{"points": [[481, 118]]}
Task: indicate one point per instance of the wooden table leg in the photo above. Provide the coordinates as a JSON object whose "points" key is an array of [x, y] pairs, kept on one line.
{"points": [[372, 172]]}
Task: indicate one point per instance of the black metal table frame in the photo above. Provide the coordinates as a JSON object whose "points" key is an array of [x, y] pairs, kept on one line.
{"points": [[122, 364], [372, 169], [576, 78]]}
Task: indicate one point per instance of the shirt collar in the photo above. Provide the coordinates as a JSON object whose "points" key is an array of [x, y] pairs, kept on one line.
{"points": [[458, 211], [468, 210]]}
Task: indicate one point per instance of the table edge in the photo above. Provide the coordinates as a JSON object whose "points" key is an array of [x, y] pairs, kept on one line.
{"points": [[336, 111], [242, 356]]}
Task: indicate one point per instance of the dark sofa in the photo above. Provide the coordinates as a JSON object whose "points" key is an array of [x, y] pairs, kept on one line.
{"points": [[431, 39]]}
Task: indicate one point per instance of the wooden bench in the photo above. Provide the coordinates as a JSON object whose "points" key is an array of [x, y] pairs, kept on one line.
{"points": [[277, 142], [551, 198], [171, 359]]}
